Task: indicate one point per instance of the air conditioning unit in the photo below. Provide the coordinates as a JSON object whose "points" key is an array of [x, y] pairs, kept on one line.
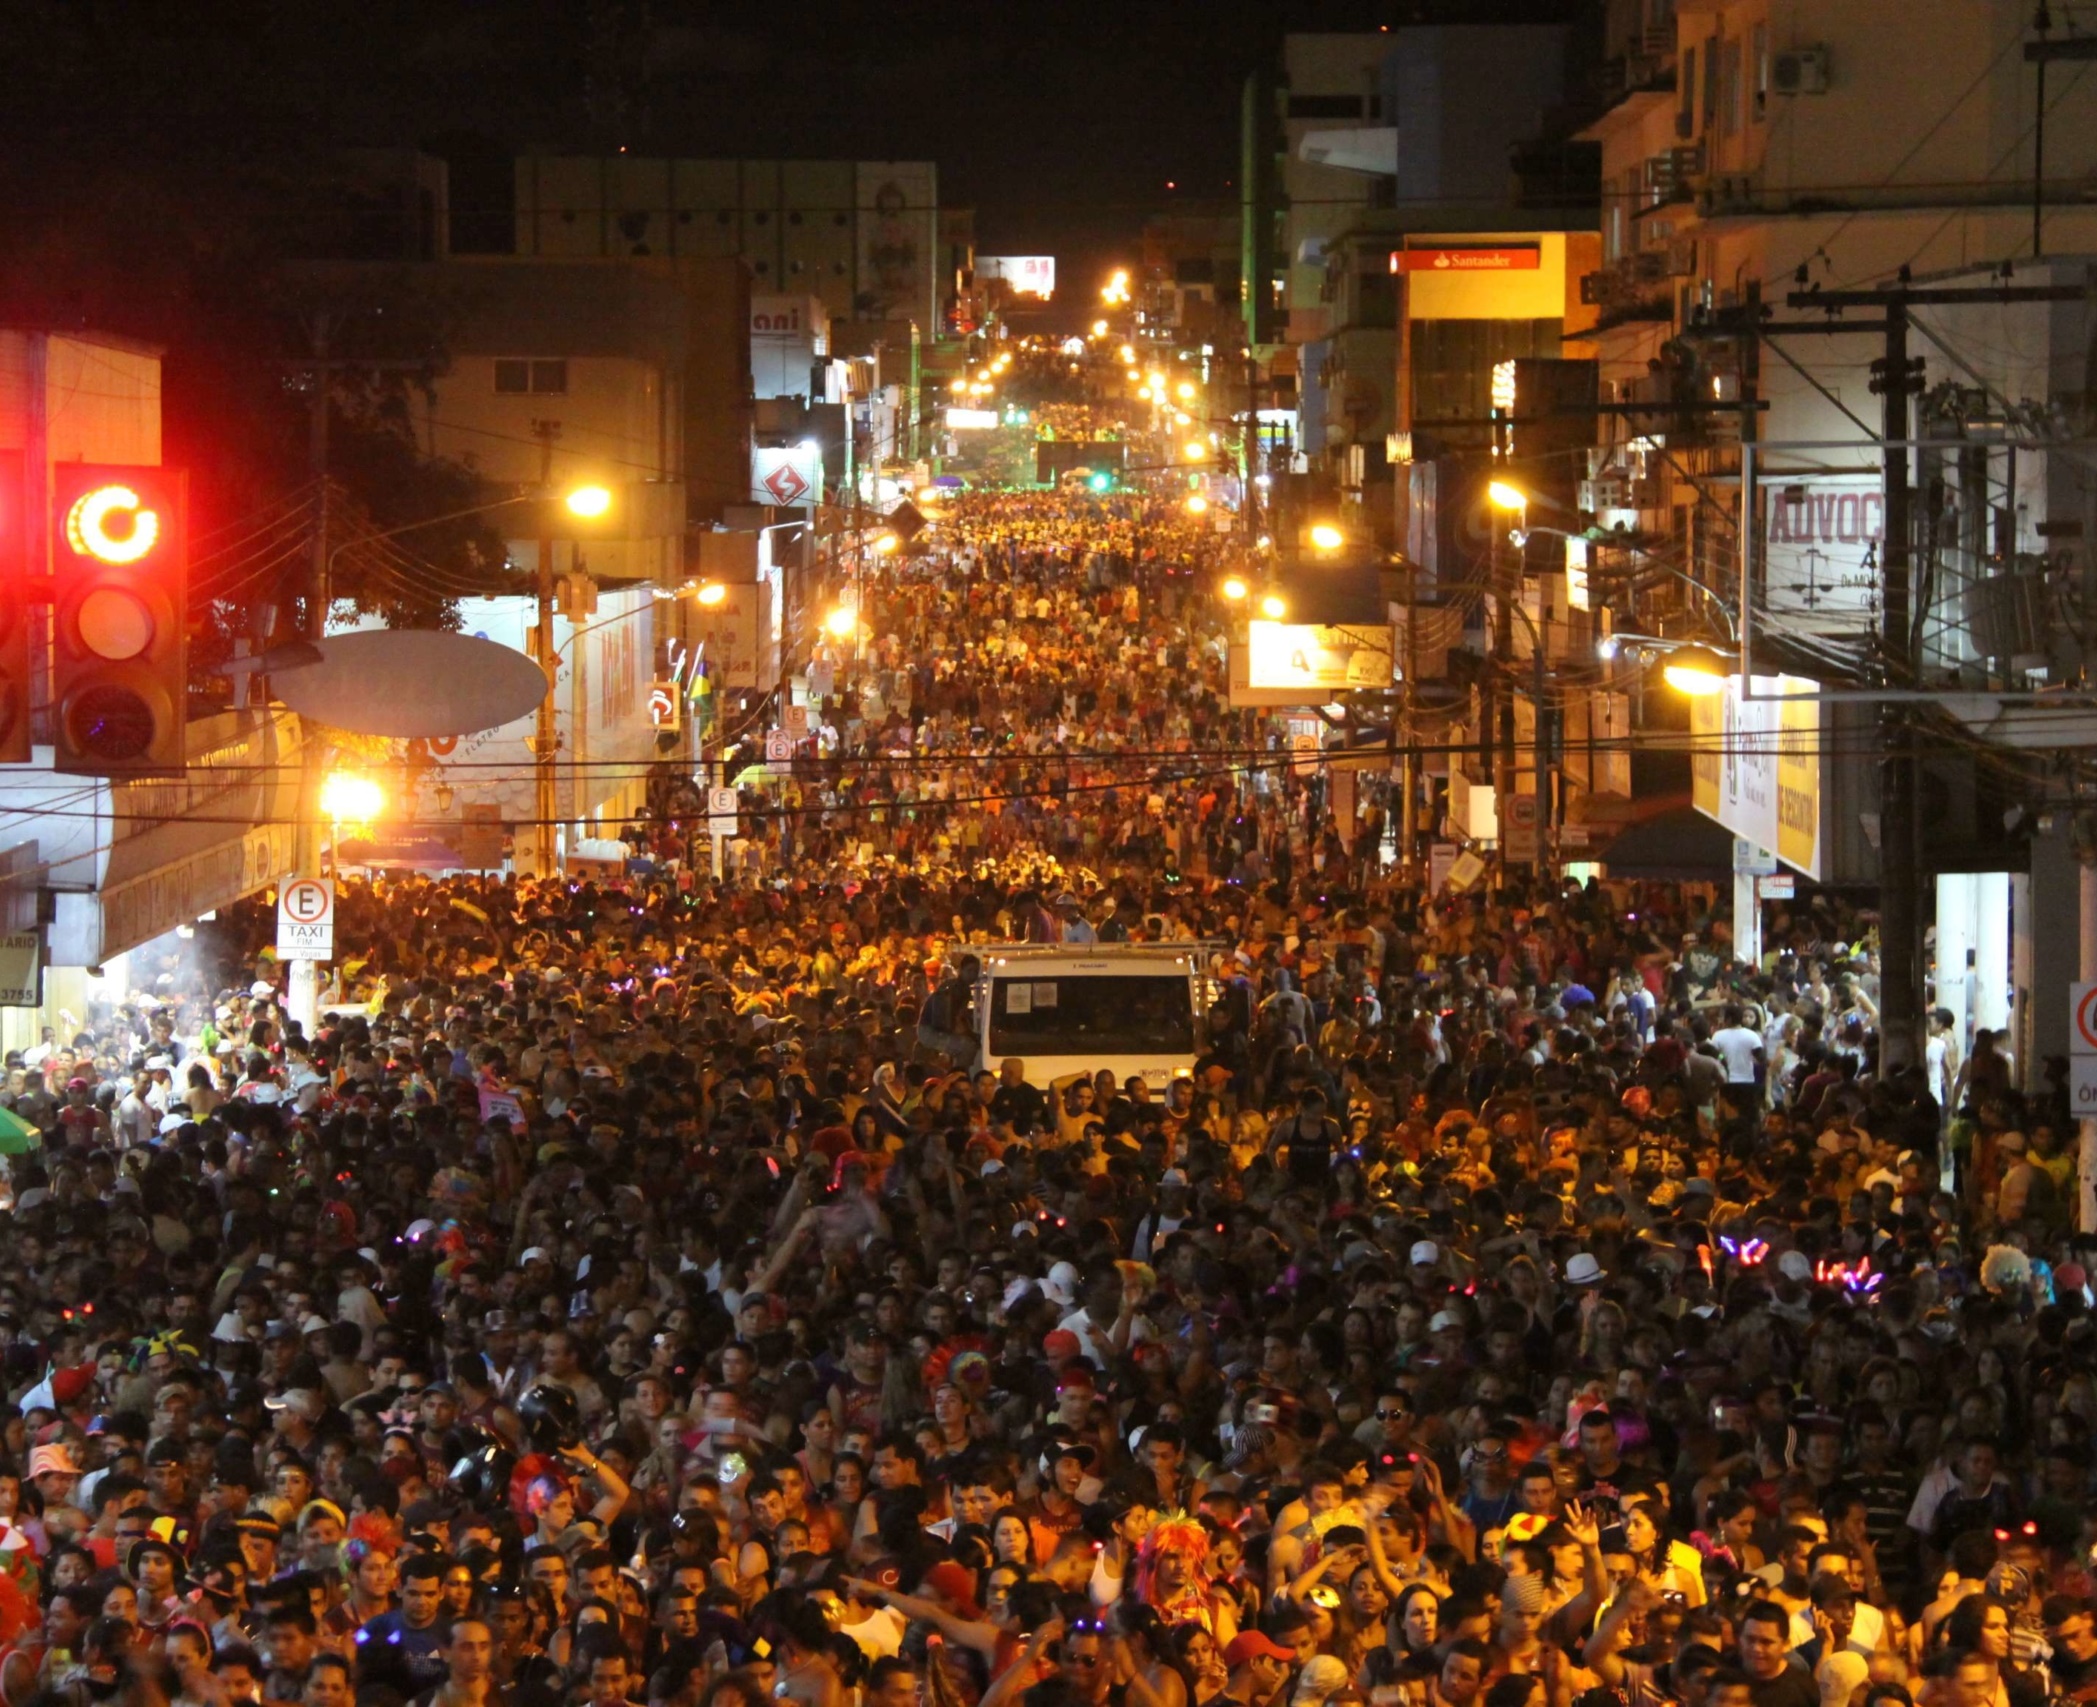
{"points": [[1799, 71]]}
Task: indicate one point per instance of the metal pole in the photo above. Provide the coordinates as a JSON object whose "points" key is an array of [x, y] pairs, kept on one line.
{"points": [[2042, 23], [1900, 881], [545, 741], [2086, 1196], [317, 593]]}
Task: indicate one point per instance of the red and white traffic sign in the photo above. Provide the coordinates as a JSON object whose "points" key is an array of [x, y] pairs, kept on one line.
{"points": [[2082, 1038], [2082, 1049], [306, 919]]}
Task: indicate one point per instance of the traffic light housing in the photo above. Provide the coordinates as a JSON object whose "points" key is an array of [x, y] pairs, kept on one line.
{"points": [[16, 655], [119, 647]]}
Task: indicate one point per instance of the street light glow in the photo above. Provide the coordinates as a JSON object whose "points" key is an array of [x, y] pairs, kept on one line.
{"points": [[1186, 390], [1326, 537], [1234, 588], [1196, 450], [1696, 671], [1506, 497], [1197, 505], [1274, 607], [843, 622], [713, 593], [888, 544], [347, 797], [590, 502]]}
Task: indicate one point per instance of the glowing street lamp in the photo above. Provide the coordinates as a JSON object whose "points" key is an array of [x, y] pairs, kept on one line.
{"points": [[349, 798], [1197, 451], [713, 593], [1235, 589], [1507, 497], [888, 544], [1274, 607], [590, 502], [1197, 505], [1326, 537], [1696, 671], [842, 623]]}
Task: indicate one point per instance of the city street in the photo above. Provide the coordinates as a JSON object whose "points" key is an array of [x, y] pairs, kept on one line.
{"points": [[1027, 860]]}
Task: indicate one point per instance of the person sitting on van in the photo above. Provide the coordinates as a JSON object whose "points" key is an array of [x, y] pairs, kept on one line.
{"points": [[944, 1022]]}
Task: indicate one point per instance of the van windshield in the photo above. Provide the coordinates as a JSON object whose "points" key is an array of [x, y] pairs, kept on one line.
{"points": [[1091, 1015]]}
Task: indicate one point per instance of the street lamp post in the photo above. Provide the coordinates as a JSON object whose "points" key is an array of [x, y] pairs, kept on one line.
{"points": [[1504, 496]]}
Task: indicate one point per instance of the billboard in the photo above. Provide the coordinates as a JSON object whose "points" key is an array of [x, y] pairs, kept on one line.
{"points": [[1027, 275], [1756, 765], [1821, 538], [1309, 663], [789, 475]]}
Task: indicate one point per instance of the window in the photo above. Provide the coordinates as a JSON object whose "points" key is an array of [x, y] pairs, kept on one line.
{"points": [[1729, 90], [1077, 1015], [518, 377], [1761, 57], [1686, 112], [1325, 106]]}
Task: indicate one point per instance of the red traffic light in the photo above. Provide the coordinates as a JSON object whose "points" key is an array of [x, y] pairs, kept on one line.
{"points": [[119, 655], [15, 667]]}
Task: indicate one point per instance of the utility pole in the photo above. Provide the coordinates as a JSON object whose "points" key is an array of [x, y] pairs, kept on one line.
{"points": [[323, 388], [1900, 874], [545, 741], [2042, 53]]}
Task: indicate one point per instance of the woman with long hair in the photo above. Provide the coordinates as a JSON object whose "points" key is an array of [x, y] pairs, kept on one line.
{"points": [[1672, 1567]]}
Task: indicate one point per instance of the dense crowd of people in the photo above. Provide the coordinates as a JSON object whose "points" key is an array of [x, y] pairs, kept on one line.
{"points": [[629, 1290]]}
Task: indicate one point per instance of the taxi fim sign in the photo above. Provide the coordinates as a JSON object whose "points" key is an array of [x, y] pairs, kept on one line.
{"points": [[306, 919]]}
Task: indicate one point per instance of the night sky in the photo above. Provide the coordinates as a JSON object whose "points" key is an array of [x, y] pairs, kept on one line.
{"points": [[1062, 124]]}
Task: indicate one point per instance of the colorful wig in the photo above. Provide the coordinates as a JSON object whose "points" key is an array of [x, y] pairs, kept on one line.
{"points": [[1177, 1534]]}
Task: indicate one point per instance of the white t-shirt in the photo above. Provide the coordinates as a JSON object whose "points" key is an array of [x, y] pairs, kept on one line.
{"points": [[1737, 1047]]}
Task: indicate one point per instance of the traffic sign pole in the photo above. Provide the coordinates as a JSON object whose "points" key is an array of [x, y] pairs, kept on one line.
{"points": [[2082, 1044]]}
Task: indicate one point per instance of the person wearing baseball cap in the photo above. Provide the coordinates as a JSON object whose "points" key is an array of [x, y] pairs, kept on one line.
{"points": [[1258, 1667]]}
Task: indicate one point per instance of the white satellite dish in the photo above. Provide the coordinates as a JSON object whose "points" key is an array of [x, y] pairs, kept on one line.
{"points": [[406, 682]]}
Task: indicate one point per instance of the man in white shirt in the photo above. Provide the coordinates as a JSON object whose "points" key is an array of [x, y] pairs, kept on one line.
{"points": [[1739, 1047]]}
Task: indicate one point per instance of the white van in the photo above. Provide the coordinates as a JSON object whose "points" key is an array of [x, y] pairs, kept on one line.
{"points": [[1065, 1008]]}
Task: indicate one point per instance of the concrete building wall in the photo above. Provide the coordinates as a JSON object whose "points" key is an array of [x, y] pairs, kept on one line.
{"points": [[1329, 81], [861, 235]]}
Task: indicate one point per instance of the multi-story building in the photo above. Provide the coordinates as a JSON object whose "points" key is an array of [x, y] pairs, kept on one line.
{"points": [[1293, 201], [862, 235], [1761, 161]]}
